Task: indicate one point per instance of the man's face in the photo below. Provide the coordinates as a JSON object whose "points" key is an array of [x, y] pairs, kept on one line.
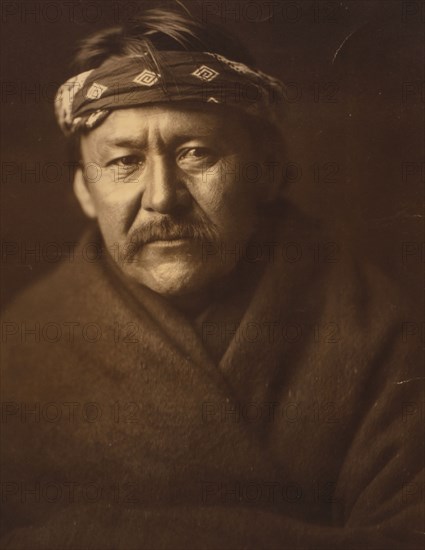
{"points": [[168, 189]]}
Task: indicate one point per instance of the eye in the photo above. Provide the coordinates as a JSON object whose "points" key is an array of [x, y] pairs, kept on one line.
{"points": [[197, 155], [128, 162]]}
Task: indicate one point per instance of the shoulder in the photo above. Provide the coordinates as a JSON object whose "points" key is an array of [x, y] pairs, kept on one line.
{"points": [[66, 290], [355, 286], [351, 302], [56, 318], [374, 320]]}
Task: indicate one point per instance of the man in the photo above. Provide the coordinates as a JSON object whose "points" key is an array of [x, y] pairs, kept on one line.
{"points": [[193, 379]]}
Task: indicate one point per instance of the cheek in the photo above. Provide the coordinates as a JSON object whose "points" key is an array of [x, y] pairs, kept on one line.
{"points": [[112, 196], [227, 199], [114, 206]]}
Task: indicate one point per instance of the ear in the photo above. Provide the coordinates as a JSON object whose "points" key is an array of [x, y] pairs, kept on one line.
{"points": [[83, 194]]}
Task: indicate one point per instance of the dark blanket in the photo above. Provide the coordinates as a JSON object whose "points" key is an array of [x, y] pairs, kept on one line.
{"points": [[286, 415]]}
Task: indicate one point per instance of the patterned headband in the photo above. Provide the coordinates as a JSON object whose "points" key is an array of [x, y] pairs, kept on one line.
{"points": [[84, 101]]}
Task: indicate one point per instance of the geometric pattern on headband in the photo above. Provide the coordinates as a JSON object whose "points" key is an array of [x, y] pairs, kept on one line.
{"points": [[205, 73], [96, 90], [146, 78], [85, 100]]}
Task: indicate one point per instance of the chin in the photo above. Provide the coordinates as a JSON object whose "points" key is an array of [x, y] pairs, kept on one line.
{"points": [[177, 278]]}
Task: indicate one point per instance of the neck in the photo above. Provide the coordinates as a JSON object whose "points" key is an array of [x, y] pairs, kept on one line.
{"points": [[192, 304]]}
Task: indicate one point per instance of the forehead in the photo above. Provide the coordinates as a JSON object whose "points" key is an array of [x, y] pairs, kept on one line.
{"points": [[166, 122]]}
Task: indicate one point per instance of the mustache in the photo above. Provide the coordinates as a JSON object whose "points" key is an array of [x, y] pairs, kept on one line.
{"points": [[170, 229]]}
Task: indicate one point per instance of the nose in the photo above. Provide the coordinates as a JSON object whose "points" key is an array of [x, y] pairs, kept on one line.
{"points": [[164, 190]]}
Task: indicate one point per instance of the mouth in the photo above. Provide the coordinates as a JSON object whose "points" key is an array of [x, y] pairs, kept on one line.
{"points": [[169, 242]]}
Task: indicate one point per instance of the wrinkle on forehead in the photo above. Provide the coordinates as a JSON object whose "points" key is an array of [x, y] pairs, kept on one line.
{"points": [[137, 122], [155, 126]]}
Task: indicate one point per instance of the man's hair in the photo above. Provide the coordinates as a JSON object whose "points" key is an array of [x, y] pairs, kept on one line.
{"points": [[162, 30]]}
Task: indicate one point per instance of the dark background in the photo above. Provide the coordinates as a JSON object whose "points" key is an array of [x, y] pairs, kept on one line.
{"points": [[355, 71]]}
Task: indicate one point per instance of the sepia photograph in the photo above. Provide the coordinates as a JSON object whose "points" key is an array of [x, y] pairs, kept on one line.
{"points": [[212, 275]]}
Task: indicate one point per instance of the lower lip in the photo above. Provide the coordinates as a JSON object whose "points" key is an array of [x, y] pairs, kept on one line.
{"points": [[168, 244]]}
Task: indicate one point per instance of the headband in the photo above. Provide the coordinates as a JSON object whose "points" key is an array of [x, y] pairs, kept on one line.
{"points": [[85, 100]]}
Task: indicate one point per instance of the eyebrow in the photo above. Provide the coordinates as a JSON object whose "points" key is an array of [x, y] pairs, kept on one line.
{"points": [[139, 143], [125, 142]]}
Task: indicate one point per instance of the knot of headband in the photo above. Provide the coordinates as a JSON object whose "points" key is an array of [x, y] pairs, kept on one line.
{"points": [[85, 100]]}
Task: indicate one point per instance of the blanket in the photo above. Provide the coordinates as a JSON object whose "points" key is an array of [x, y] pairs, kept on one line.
{"points": [[287, 414]]}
